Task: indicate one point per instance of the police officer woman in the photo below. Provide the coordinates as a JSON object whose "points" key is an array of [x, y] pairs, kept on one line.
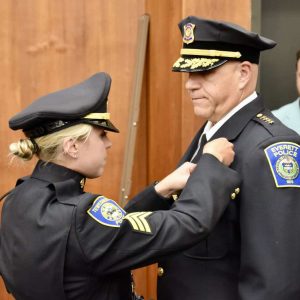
{"points": [[59, 242]]}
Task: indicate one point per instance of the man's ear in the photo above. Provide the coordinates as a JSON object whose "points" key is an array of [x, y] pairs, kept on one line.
{"points": [[70, 147], [245, 74]]}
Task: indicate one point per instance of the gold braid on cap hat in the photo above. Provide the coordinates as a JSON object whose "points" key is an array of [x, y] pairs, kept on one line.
{"points": [[210, 52]]}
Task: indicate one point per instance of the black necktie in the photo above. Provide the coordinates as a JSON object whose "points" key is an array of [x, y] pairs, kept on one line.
{"points": [[199, 150]]}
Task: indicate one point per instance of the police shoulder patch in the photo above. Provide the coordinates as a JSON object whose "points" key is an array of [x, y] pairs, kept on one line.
{"points": [[107, 212], [284, 159]]}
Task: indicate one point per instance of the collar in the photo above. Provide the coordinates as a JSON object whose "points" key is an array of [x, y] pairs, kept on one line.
{"points": [[210, 129], [230, 129], [233, 127], [67, 182]]}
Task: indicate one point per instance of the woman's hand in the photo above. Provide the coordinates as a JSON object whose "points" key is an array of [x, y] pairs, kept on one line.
{"points": [[175, 181], [221, 149]]}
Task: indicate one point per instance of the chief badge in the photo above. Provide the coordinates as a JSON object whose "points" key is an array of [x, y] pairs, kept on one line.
{"points": [[188, 36], [107, 212], [284, 159]]}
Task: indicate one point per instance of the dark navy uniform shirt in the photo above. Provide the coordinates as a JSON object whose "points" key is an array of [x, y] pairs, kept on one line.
{"points": [[58, 242], [253, 252]]}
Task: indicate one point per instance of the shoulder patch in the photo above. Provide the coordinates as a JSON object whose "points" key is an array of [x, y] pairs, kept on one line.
{"points": [[138, 221], [107, 212], [284, 159]]}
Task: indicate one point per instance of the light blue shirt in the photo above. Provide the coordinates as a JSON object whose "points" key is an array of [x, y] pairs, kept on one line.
{"points": [[289, 115]]}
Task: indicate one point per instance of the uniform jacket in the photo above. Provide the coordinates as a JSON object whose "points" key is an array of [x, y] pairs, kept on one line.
{"points": [[253, 252], [51, 248], [289, 115]]}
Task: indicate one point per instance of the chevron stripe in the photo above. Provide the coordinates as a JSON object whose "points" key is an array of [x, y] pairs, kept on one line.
{"points": [[145, 222], [132, 222], [138, 221]]}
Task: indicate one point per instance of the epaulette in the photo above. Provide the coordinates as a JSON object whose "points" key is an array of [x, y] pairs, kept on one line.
{"points": [[6, 194], [264, 119], [268, 122], [271, 124], [19, 181]]}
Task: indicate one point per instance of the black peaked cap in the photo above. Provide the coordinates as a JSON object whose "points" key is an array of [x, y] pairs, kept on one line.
{"points": [[208, 44], [85, 102]]}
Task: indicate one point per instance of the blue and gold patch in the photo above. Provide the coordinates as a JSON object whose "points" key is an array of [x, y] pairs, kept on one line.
{"points": [[284, 159], [107, 212]]}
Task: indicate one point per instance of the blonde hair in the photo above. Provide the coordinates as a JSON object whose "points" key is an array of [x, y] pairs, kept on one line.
{"points": [[48, 147]]}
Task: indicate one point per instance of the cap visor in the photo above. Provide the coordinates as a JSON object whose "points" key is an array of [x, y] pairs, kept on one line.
{"points": [[197, 64], [106, 124]]}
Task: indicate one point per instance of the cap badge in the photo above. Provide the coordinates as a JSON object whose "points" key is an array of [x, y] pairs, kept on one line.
{"points": [[284, 159], [188, 36]]}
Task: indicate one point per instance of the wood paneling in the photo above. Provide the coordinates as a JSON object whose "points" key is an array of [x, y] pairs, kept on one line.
{"points": [[163, 87], [47, 45], [51, 44]]}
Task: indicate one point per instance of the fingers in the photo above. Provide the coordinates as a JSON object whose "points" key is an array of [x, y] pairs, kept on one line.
{"points": [[186, 168], [176, 180], [229, 157], [191, 167], [222, 149]]}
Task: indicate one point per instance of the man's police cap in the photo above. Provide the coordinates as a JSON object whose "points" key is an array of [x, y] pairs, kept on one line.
{"points": [[85, 102], [208, 44]]}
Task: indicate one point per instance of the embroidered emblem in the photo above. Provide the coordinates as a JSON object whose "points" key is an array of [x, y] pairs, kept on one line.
{"points": [[284, 158], [107, 212], [194, 63], [138, 221], [188, 36]]}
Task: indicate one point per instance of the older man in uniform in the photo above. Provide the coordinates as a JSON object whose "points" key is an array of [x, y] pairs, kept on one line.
{"points": [[253, 252]]}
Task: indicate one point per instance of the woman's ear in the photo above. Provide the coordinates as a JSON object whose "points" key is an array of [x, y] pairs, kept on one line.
{"points": [[70, 147], [245, 74]]}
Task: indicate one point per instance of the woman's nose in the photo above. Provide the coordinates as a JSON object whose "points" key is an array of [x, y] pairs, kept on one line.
{"points": [[108, 143]]}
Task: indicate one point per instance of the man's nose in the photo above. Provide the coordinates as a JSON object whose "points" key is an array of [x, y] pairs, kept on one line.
{"points": [[192, 84]]}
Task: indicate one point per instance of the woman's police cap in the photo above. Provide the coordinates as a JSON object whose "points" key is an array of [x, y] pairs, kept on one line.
{"points": [[208, 44], [85, 102]]}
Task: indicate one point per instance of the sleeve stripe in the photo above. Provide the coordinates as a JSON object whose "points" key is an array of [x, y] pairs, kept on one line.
{"points": [[132, 222], [138, 221], [145, 222]]}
